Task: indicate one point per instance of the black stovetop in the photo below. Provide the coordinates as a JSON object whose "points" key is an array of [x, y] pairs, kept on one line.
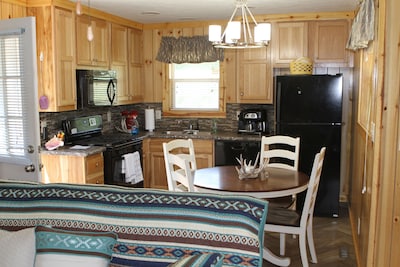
{"points": [[88, 131]]}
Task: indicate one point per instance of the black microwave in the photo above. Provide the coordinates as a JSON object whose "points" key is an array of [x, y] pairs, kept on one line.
{"points": [[96, 88]]}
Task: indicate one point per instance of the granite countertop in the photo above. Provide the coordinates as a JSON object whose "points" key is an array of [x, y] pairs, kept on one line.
{"points": [[68, 150], [233, 136], [230, 136]]}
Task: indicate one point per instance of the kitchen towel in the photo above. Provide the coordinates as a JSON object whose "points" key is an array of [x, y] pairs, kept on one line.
{"points": [[149, 119], [133, 169]]}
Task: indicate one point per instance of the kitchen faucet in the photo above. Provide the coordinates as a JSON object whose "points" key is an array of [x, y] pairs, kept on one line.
{"points": [[193, 125]]}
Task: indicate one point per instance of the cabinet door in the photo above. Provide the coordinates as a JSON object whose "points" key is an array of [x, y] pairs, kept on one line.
{"points": [[65, 59], [154, 164], [155, 72], [119, 61], [328, 43], [255, 76], [101, 43], [95, 52], [229, 75], [135, 68], [95, 169], [289, 42], [83, 46]]}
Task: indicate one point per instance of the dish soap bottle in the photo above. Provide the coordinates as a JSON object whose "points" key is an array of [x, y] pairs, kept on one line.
{"points": [[135, 126]]}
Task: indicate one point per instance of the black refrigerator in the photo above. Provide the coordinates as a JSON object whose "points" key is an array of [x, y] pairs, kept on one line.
{"points": [[310, 107]]}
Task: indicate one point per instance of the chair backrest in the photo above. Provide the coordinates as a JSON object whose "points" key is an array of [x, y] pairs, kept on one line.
{"points": [[280, 151], [180, 173], [311, 195], [183, 148]]}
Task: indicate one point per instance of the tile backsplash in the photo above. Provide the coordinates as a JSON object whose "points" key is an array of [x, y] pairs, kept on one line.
{"points": [[53, 120]]}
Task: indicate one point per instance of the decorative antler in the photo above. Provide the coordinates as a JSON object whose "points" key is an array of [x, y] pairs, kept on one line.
{"points": [[247, 170]]}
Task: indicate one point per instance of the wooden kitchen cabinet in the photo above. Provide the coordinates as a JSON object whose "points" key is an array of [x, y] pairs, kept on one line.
{"points": [[155, 72], [327, 43], [154, 165], [135, 67], [255, 76], [289, 42], [56, 55], [95, 53], [229, 75], [73, 169], [119, 61]]}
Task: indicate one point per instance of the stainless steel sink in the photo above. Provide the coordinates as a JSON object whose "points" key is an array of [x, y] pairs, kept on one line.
{"points": [[188, 132]]}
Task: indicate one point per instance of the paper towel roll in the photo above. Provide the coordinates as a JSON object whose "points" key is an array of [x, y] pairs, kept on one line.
{"points": [[149, 119]]}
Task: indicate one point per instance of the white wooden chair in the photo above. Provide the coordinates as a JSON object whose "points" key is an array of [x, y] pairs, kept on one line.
{"points": [[180, 174], [184, 149], [280, 151], [285, 221]]}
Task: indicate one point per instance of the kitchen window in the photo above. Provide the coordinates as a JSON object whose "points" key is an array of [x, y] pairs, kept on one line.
{"points": [[194, 90]]}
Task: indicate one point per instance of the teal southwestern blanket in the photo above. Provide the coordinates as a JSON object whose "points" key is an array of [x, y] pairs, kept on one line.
{"points": [[154, 227]]}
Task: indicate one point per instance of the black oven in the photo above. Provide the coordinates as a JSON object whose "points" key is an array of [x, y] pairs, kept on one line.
{"points": [[113, 157], [88, 131]]}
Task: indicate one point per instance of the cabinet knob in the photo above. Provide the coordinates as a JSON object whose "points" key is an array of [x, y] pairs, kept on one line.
{"points": [[97, 164]]}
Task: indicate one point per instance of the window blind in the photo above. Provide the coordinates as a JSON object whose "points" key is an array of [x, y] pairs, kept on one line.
{"points": [[13, 107]]}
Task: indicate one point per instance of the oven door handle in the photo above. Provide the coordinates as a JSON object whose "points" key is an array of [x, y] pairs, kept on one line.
{"points": [[111, 91]]}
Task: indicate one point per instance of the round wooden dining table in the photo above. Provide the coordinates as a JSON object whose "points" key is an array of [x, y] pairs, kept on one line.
{"points": [[274, 182]]}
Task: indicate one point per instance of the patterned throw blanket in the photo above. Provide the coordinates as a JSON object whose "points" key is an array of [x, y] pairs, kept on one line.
{"points": [[154, 227]]}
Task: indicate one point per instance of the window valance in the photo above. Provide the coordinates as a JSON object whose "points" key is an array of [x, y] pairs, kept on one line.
{"points": [[195, 49], [362, 31]]}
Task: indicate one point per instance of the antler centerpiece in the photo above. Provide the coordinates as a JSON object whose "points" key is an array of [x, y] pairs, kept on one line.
{"points": [[247, 170]]}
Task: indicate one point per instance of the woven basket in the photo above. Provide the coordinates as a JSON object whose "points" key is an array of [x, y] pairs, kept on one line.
{"points": [[303, 65]]}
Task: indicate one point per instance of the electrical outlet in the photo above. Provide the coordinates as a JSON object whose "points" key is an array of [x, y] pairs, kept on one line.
{"points": [[237, 114]]}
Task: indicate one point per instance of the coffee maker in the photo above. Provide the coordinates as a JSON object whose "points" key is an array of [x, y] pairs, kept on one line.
{"points": [[252, 121]]}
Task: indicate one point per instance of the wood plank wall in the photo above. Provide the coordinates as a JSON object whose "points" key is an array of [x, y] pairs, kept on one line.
{"points": [[375, 192]]}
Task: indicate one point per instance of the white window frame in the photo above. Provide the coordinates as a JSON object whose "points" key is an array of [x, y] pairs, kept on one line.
{"points": [[169, 109]]}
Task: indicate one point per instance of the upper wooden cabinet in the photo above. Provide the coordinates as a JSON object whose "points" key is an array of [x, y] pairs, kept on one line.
{"points": [[56, 57], [127, 60], [155, 72], [119, 61], [96, 52], [255, 76], [327, 44], [229, 74], [289, 41], [135, 68], [322, 41]]}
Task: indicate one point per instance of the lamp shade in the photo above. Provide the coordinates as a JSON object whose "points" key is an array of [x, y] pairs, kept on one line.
{"points": [[232, 34], [214, 33], [262, 32]]}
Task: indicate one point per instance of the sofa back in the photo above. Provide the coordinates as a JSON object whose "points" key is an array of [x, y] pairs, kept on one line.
{"points": [[154, 227]]}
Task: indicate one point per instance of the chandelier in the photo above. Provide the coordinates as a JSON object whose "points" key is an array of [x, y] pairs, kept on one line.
{"points": [[231, 37]]}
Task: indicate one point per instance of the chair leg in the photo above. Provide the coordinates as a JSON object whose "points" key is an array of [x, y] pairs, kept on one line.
{"points": [[310, 239], [303, 249], [282, 244]]}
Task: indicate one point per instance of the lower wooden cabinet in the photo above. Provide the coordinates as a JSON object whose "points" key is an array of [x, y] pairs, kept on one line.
{"points": [[73, 169], [154, 165]]}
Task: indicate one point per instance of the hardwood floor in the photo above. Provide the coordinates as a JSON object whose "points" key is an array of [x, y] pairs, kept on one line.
{"points": [[333, 243]]}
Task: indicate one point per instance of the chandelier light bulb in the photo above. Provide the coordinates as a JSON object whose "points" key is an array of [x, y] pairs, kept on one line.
{"points": [[78, 7], [90, 35]]}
